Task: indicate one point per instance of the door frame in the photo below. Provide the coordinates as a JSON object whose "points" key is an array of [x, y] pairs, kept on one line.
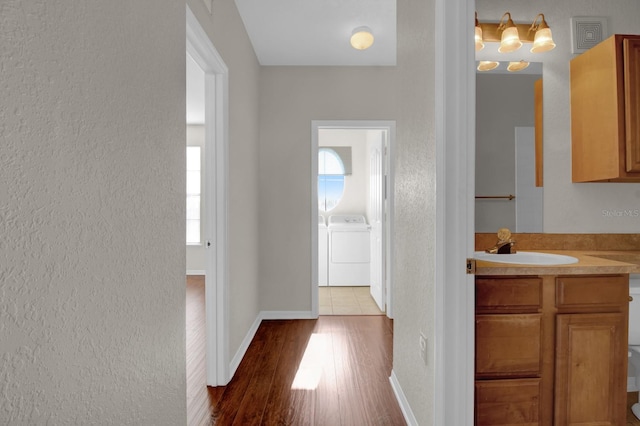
{"points": [[390, 127], [215, 222], [455, 206]]}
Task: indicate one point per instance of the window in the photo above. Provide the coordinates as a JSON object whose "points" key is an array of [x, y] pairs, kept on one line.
{"points": [[193, 195], [330, 179]]}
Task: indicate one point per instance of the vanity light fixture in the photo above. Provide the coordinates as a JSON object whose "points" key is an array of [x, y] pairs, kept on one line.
{"points": [[511, 36], [517, 66], [487, 65], [361, 38], [542, 41], [510, 40], [478, 37]]}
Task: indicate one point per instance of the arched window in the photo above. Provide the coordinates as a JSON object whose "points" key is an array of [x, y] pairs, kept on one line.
{"points": [[330, 179]]}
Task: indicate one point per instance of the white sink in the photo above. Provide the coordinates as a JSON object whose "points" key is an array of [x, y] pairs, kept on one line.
{"points": [[527, 258]]}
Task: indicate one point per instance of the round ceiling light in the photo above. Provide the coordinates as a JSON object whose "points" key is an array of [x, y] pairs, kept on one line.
{"points": [[361, 38]]}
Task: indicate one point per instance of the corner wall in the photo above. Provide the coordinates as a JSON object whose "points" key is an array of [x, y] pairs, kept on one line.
{"points": [[226, 30], [92, 254]]}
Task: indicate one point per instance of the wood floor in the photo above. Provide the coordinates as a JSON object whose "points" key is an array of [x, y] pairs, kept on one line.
{"points": [[268, 388], [331, 371]]}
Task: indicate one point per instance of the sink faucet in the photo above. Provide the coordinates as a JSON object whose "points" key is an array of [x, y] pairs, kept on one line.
{"points": [[505, 244]]}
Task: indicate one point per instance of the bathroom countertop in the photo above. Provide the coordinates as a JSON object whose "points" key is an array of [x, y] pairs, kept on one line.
{"points": [[589, 263]]}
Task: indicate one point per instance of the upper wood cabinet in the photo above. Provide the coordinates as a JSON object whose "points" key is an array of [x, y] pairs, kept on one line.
{"points": [[605, 112]]}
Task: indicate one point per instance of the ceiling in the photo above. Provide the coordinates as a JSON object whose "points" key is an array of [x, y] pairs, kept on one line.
{"points": [[317, 32], [307, 33]]}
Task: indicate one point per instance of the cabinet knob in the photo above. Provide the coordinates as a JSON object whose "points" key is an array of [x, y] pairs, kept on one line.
{"points": [[630, 298]]}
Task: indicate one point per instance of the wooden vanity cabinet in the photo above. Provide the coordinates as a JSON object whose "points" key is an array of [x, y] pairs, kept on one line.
{"points": [[605, 112], [551, 350]]}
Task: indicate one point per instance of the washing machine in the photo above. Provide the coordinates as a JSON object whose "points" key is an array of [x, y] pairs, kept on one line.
{"points": [[323, 252], [349, 250]]}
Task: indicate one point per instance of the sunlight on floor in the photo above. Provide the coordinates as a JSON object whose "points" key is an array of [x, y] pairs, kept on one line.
{"points": [[313, 362]]}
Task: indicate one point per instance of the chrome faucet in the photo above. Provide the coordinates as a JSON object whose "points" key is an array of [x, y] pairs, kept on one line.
{"points": [[505, 244]]}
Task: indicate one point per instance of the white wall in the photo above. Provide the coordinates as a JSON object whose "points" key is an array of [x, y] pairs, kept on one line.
{"points": [[196, 261], [415, 207], [570, 207], [503, 102], [227, 32], [92, 293], [356, 186]]}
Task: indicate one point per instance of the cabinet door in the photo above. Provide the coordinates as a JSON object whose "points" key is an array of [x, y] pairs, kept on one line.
{"points": [[631, 53], [507, 402], [590, 381]]}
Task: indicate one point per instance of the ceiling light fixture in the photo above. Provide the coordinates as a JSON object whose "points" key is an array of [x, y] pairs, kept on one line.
{"points": [[361, 38], [517, 66], [511, 36], [487, 65], [478, 37], [510, 40], [542, 41]]}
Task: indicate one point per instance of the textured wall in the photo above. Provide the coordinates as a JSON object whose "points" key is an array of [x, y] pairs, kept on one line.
{"points": [[92, 212], [415, 205], [570, 207]]}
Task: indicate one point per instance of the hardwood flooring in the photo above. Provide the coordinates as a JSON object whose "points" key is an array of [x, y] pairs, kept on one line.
{"points": [[341, 386], [327, 372]]}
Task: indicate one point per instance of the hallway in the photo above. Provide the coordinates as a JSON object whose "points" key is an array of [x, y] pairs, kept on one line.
{"points": [[331, 371]]}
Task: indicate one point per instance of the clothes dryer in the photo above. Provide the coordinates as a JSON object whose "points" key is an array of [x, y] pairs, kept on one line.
{"points": [[349, 250]]}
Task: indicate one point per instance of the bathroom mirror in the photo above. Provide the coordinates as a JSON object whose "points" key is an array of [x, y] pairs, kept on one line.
{"points": [[505, 151]]}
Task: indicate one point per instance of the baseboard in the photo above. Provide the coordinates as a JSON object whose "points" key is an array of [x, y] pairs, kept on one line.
{"points": [[263, 315], [195, 272], [282, 315], [402, 400], [235, 362]]}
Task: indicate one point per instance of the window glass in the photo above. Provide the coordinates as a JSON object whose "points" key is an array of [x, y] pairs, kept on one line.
{"points": [[330, 179], [193, 195]]}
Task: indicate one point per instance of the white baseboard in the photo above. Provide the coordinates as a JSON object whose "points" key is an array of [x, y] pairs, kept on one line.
{"points": [[263, 315], [235, 362], [195, 272], [402, 400], [282, 315]]}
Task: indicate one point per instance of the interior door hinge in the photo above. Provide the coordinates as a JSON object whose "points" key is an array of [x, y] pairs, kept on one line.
{"points": [[471, 266]]}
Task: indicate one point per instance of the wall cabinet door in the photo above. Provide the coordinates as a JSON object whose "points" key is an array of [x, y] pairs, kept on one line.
{"points": [[605, 102], [588, 388]]}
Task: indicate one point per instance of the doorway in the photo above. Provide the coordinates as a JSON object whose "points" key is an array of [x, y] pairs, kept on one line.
{"points": [[368, 146], [214, 93]]}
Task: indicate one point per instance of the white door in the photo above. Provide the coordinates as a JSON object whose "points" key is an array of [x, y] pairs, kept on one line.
{"points": [[376, 217]]}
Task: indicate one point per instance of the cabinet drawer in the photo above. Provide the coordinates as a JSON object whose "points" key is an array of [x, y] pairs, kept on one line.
{"points": [[507, 402], [592, 292], [508, 294], [508, 345]]}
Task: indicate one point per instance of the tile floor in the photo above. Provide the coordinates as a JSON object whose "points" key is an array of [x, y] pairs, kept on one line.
{"points": [[347, 301]]}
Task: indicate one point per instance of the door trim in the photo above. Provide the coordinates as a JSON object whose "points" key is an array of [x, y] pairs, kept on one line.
{"points": [[455, 229], [201, 49], [390, 127]]}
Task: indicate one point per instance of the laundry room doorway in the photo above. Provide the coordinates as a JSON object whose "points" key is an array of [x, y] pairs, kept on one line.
{"points": [[352, 208]]}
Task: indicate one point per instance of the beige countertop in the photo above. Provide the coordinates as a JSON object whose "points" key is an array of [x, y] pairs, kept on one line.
{"points": [[589, 263]]}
